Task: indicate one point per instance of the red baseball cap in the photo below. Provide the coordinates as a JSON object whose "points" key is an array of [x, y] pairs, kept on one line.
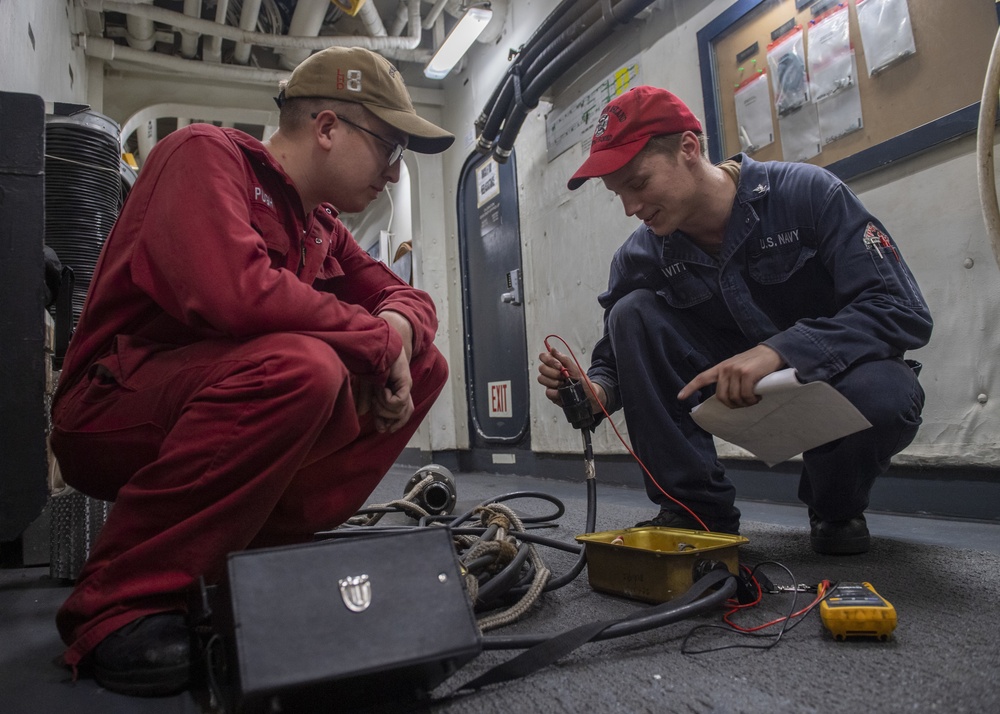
{"points": [[625, 126]]}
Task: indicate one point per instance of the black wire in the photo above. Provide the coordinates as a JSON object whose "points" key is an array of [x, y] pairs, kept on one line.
{"points": [[786, 625]]}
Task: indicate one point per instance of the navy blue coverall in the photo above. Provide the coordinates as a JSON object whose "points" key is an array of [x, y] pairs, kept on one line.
{"points": [[803, 268]]}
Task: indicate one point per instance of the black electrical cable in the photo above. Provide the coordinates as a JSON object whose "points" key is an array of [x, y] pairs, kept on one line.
{"points": [[501, 583], [596, 33], [687, 605], [560, 507], [496, 108]]}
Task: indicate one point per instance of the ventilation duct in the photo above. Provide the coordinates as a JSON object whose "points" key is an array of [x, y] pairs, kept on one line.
{"points": [[83, 190], [84, 181]]}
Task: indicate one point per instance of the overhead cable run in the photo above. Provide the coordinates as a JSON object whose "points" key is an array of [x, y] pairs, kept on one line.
{"points": [[571, 31]]}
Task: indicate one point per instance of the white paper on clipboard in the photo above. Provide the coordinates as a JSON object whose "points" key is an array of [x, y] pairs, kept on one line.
{"points": [[790, 418]]}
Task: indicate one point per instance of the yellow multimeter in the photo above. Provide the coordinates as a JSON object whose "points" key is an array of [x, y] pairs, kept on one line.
{"points": [[856, 610]]}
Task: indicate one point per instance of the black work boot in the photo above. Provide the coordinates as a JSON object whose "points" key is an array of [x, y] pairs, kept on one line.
{"points": [[148, 657], [672, 519], [849, 537]]}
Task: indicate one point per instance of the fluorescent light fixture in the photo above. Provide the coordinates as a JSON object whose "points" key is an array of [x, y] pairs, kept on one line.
{"points": [[458, 42]]}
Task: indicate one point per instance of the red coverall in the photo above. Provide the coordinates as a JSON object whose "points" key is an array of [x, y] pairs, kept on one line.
{"points": [[208, 387]]}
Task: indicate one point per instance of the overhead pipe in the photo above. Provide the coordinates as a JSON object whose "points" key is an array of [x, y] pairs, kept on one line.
{"points": [[372, 20], [189, 40], [402, 17], [141, 32], [434, 13], [212, 49], [249, 15], [533, 57], [307, 20], [260, 39], [611, 19], [108, 50]]}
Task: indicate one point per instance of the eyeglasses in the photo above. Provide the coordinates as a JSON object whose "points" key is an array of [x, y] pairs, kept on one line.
{"points": [[396, 149]]}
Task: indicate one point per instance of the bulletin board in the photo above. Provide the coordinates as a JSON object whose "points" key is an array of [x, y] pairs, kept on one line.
{"points": [[924, 99]]}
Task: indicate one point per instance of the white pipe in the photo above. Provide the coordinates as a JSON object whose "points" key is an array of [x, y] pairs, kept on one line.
{"points": [[402, 15], [306, 20], [372, 20], [189, 40], [261, 39], [107, 50], [432, 16], [212, 49], [140, 31], [984, 149], [248, 21]]}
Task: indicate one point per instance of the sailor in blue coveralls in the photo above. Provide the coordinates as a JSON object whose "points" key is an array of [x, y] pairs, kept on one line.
{"points": [[741, 269]]}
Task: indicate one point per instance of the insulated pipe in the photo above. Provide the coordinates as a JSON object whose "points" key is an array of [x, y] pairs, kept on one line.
{"points": [[307, 20], [619, 15], [101, 48], [212, 49], [984, 149], [402, 17], [434, 13], [189, 40], [372, 20], [261, 39], [249, 14], [141, 32]]}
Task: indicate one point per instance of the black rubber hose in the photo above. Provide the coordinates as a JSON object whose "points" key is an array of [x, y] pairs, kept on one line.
{"points": [[560, 507], [500, 583], [687, 605], [527, 64], [538, 37], [594, 35]]}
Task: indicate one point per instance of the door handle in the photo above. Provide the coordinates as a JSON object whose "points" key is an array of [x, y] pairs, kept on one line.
{"points": [[513, 294]]}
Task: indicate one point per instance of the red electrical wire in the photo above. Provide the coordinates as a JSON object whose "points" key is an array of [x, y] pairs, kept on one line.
{"points": [[590, 388], [824, 586]]}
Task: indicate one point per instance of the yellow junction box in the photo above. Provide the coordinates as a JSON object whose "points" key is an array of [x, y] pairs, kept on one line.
{"points": [[654, 564]]}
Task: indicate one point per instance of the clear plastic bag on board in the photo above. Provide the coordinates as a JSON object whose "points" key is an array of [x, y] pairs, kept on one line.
{"points": [[831, 61], [787, 67], [886, 32]]}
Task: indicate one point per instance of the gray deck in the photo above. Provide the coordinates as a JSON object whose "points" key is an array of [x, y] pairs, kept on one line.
{"points": [[942, 577]]}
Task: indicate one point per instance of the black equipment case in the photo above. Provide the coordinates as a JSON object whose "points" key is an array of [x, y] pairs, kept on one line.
{"points": [[341, 624]]}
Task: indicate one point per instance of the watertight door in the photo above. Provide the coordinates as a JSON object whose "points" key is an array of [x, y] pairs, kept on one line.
{"points": [[496, 357]]}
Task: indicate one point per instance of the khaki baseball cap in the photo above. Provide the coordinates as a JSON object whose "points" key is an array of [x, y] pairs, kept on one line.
{"points": [[355, 74]]}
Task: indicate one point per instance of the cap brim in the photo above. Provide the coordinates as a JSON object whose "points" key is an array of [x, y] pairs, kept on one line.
{"points": [[607, 161], [425, 137]]}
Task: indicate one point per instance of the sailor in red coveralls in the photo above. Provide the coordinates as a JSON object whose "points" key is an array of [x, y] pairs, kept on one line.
{"points": [[243, 374]]}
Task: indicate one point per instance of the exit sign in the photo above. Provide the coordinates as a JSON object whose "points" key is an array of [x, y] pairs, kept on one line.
{"points": [[500, 400]]}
